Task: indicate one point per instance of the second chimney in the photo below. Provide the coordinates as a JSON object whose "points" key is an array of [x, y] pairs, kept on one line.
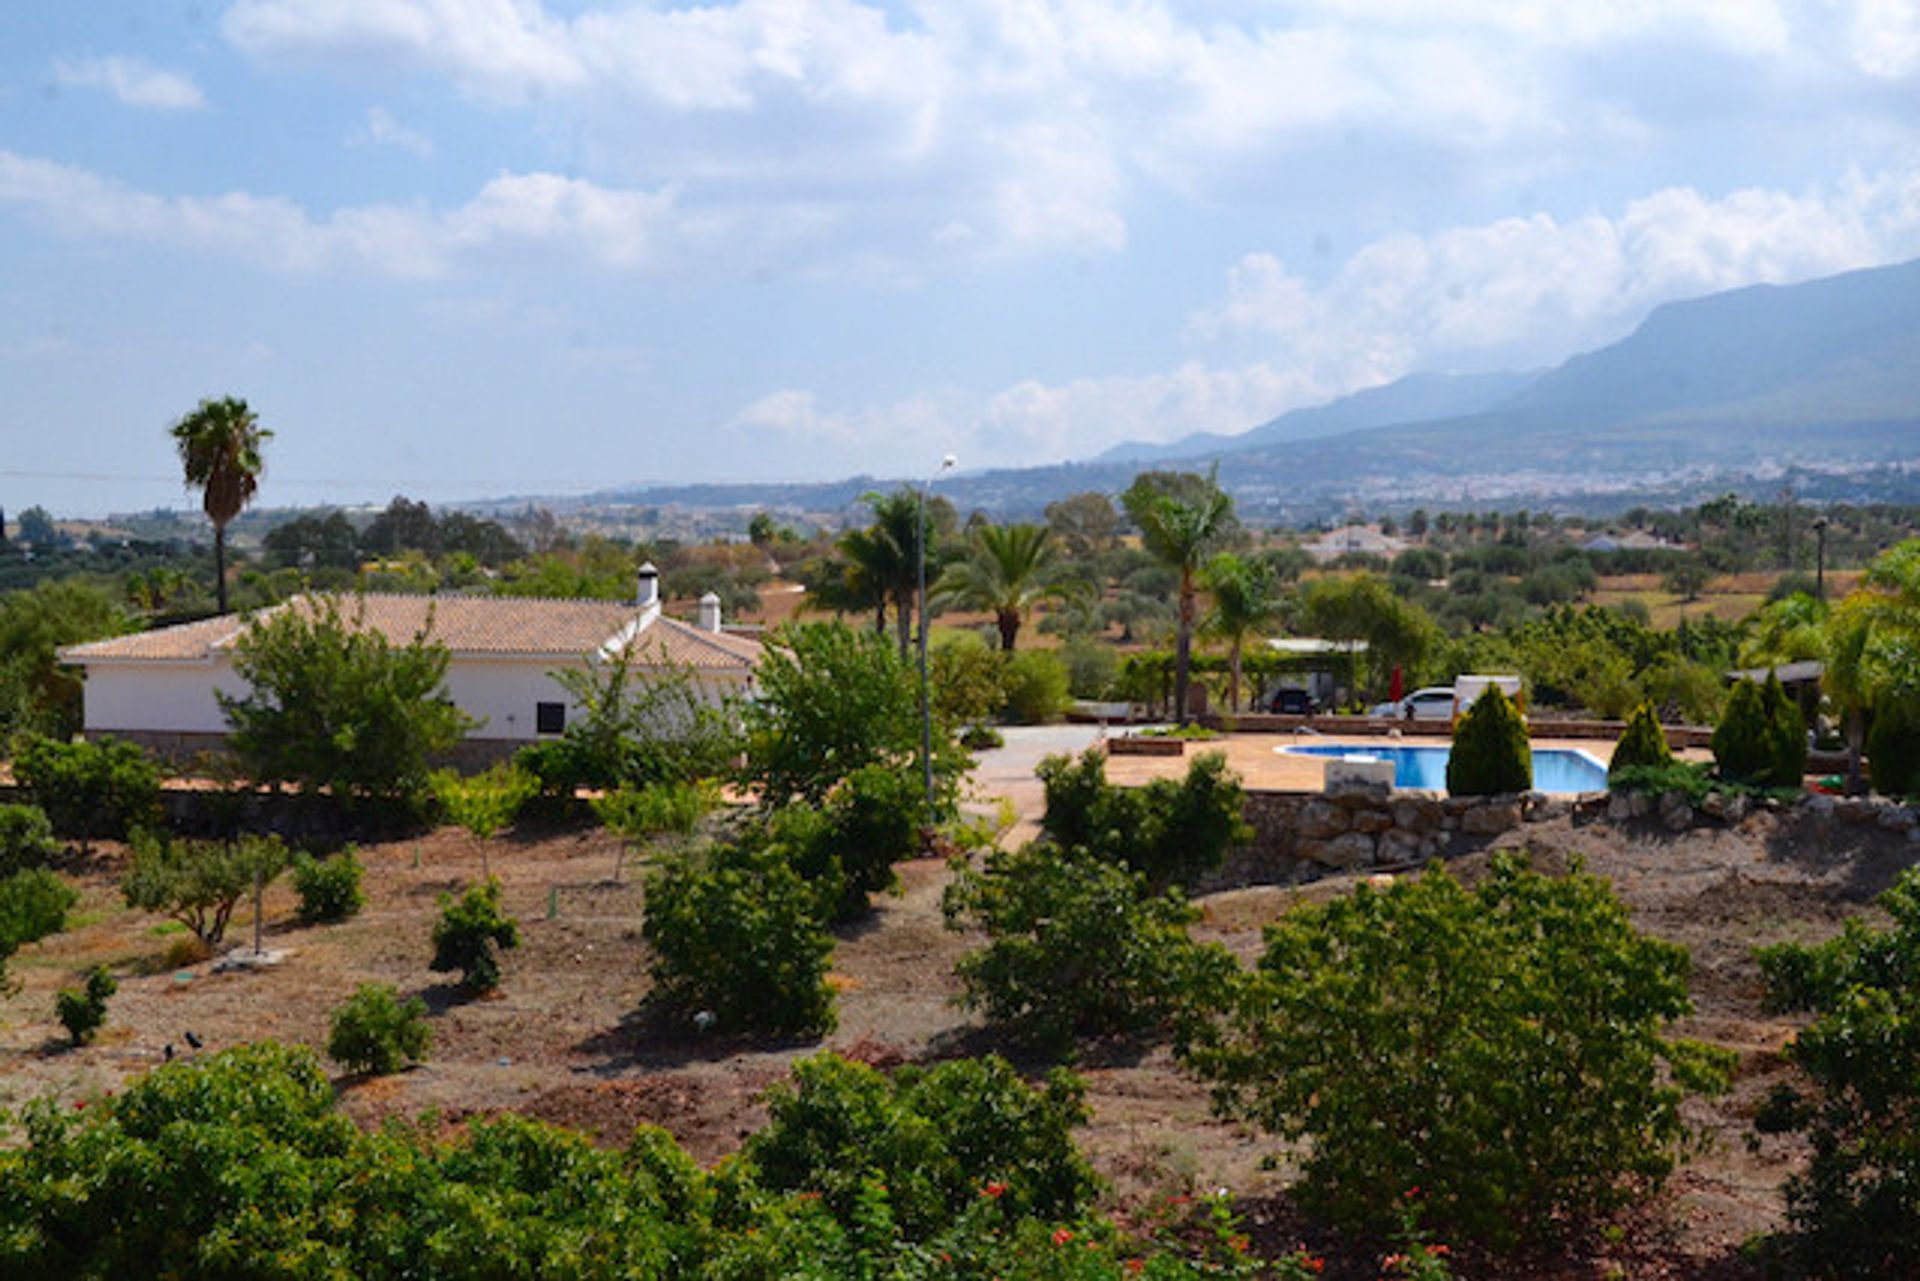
{"points": [[710, 613], [648, 592]]}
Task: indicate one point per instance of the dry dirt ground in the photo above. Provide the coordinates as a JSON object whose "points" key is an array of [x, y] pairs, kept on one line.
{"points": [[562, 1040]]}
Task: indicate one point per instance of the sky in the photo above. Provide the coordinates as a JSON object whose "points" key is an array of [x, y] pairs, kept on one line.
{"points": [[467, 248]]}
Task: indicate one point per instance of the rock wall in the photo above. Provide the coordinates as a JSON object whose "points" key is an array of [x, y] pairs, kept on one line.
{"points": [[1354, 826]]}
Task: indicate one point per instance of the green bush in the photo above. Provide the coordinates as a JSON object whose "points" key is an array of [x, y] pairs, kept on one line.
{"points": [[1036, 685], [375, 1032], [1695, 782], [966, 680], [1643, 744], [33, 904], [1500, 1048], [639, 815], [198, 883], [1093, 667], [26, 839], [83, 1009], [1893, 748], [981, 738], [470, 935], [1761, 739], [1491, 754], [933, 1138], [1169, 831], [240, 1164], [735, 934], [89, 790], [1852, 1211], [483, 803], [329, 888], [1076, 947]]}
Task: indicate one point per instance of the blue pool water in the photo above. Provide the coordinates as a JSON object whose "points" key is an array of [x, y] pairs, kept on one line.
{"points": [[1555, 769]]}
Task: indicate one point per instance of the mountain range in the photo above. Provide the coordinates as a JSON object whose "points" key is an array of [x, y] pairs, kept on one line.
{"points": [[1816, 385]]}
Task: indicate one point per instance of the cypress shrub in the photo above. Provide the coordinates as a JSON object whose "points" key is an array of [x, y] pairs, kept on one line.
{"points": [[1893, 749], [1643, 744], [1741, 750], [1786, 736], [1491, 755]]}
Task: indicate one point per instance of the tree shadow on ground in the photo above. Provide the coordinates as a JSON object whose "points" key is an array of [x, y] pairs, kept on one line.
{"points": [[656, 1039]]}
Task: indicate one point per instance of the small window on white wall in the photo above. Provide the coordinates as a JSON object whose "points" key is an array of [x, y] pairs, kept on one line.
{"points": [[550, 718]]}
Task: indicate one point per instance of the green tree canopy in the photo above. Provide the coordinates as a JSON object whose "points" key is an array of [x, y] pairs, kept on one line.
{"points": [[1181, 517], [219, 444]]}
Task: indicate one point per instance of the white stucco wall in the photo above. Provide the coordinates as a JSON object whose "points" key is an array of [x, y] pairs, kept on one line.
{"points": [[178, 698], [171, 698]]}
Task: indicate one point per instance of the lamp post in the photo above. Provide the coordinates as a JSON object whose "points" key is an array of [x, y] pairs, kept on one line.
{"points": [[926, 705], [1820, 558]]}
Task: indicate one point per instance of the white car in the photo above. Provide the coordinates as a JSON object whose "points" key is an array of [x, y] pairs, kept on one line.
{"points": [[1434, 703]]}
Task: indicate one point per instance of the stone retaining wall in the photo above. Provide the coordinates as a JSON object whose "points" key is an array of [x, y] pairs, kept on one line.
{"points": [[1355, 826]]}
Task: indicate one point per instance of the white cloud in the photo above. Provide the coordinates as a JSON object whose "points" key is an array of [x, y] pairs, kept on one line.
{"points": [[1885, 37], [382, 130], [513, 211], [133, 81], [1532, 290]]}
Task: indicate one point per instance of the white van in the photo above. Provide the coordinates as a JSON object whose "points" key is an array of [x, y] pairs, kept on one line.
{"points": [[1468, 688]]}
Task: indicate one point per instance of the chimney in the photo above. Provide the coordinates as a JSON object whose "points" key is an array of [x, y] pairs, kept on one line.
{"points": [[648, 594], [710, 613]]}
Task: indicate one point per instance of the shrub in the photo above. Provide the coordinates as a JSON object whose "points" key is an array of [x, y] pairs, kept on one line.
{"points": [[26, 839], [644, 718], [1893, 749], [83, 1009], [375, 1032], [1500, 1048], [1036, 685], [470, 935], [1491, 755], [33, 904], [329, 888], [1761, 739], [1852, 1211], [981, 738], [1092, 667], [198, 882], [640, 814], [89, 790], [1643, 745], [966, 680], [1075, 947], [933, 1138], [1169, 831], [735, 934], [1695, 782], [483, 803]]}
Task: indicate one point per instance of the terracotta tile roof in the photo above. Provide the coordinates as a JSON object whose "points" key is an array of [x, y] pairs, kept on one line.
{"points": [[476, 625]]}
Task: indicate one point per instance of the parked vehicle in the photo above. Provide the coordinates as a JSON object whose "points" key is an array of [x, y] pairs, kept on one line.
{"points": [[1468, 688], [1434, 703], [1293, 702]]}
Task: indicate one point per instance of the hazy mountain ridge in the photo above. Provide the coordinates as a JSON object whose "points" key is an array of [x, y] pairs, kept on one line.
{"points": [[1743, 390]]}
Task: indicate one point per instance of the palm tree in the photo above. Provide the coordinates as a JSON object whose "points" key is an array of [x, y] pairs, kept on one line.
{"points": [[862, 580], [219, 445], [1873, 645], [1180, 519], [1244, 605], [892, 550], [1011, 569]]}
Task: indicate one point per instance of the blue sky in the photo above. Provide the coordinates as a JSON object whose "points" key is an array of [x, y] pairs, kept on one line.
{"points": [[460, 248]]}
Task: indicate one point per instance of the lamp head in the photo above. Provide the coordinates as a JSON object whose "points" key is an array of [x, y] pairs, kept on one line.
{"points": [[948, 462]]}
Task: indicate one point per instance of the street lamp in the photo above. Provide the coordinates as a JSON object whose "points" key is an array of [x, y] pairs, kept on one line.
{"points": [[926, 706]]}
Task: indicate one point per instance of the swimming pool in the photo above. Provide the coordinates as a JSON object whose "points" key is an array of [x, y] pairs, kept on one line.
{"points": [[1555, 769]]}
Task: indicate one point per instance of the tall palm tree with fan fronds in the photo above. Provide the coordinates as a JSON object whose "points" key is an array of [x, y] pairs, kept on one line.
{"points": [[1011, 569], [1181, 519], [1245, 604], [219, 444]]}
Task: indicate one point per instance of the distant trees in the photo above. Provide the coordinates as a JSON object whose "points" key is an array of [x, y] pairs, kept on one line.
{"points": [[219, 445], [36, 692]]}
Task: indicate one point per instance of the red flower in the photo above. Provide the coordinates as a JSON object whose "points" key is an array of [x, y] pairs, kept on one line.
{"points": [[1316, 1264], [995, 1190], [1440, 1250], [1136, 1266], [79, 1105], [1062, 1235]]}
